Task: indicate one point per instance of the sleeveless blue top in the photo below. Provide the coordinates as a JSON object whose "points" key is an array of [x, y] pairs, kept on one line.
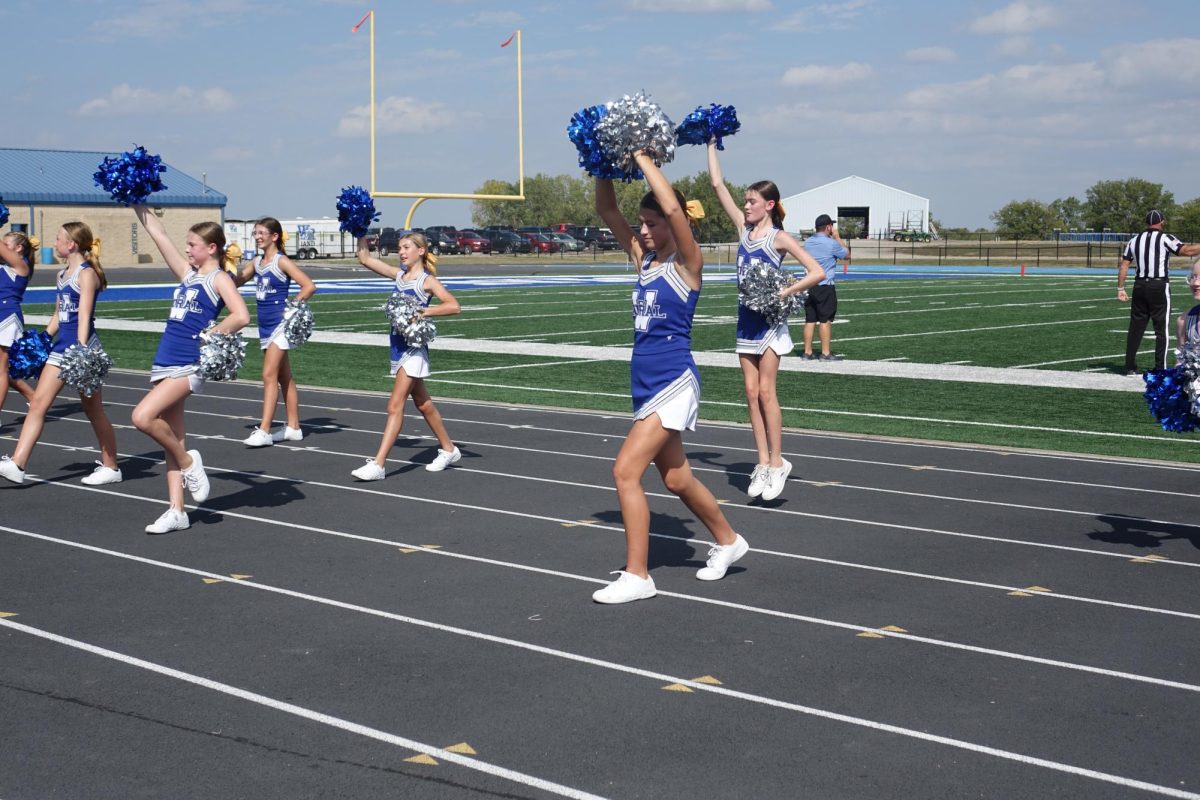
{"points": [[663, 307], [67, 307], [196, 304], [271, 287], [752, 326], [12, 292]]}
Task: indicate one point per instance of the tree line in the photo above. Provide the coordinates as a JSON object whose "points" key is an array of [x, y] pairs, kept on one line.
{"points": [[1119, 205]]}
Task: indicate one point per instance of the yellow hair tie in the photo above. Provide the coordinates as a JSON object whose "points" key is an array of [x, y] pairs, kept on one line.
{"points": [[695, 210], [35, 242], [233, 255]]}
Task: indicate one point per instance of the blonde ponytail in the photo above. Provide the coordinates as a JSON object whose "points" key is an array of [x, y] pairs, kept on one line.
{"points": [[232, 258], [88, 246]]}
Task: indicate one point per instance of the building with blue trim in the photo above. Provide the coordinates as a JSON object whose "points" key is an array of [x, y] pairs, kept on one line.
{"points": [[45, 188]]}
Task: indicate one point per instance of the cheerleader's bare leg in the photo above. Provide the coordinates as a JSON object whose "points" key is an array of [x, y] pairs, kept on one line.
{"points": [[272, 357], [49, 385], [768, 404], [395, 415], [433, 417], [679, 479], [106, 438], [750, 377], [291, 396], [160, 416], [643, 444]]}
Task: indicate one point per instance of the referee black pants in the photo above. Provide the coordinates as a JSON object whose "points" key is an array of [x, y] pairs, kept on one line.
{"points": [[1151, 301]]}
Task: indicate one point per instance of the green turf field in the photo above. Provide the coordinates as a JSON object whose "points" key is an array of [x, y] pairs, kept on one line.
{"points": [[1053, 322]]}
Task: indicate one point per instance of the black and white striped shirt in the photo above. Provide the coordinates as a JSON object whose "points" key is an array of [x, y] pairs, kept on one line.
{"points": [[1149, 251]]}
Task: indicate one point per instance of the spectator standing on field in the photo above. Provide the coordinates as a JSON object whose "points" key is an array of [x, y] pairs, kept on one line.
{"points": [[826, 246], [1149, 251]]}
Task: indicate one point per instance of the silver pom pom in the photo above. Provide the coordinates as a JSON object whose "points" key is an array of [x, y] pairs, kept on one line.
{"points": [[759, 289], [84, 368], [221, 355], [297, 323], [635, 123], [404, 313], [1187, 358]]}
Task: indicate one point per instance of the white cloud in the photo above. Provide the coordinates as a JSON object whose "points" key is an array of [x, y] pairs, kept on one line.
{"points": [[830, 16], [700, 6], [159, 19], [490, 19], [931, 55], [821, 75], [1014, 46], [1158, 61], [1027, 83], [1017, 18], [398, 115], [125, 99]]}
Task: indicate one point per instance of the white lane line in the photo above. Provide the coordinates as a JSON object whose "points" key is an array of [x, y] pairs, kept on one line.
{"points": [[1014, 326], [1087, 358], [306, 713], [520, 366], [566, 655]]}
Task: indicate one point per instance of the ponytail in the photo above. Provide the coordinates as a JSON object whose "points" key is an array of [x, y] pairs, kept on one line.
{"points": [[231, 258], [26, 246], [89, 247]]}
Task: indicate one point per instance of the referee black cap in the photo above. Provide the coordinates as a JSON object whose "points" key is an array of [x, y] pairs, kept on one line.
{"points": [[1155, 217]]}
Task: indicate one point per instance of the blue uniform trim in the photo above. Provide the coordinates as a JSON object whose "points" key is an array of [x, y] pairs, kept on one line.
{"points": [[662, 365], [195, 306]]}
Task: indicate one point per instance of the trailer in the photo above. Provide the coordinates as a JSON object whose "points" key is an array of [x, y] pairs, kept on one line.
{"points": [[303, 239]]}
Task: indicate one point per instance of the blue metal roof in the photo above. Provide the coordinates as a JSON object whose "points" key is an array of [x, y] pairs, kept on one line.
{"points": [[65, 176]]}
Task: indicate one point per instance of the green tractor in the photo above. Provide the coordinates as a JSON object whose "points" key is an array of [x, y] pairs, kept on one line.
{"points": [[910, 235]]}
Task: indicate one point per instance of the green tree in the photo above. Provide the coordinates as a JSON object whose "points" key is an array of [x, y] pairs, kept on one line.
{"points": [[1122, 205], [1072, 212], [1185, 221], [715, 226], [1026, 219]]}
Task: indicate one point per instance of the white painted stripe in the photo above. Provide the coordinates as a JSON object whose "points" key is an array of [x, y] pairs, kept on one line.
{"points": [[556, 653], [299, 711]]}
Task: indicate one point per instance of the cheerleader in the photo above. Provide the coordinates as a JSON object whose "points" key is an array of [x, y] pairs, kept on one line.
{"points": [[72, 322], [16, 269], [760, 345], [273, 273], [204, 289], [664, 382], [1187, 329], [410, 365]]}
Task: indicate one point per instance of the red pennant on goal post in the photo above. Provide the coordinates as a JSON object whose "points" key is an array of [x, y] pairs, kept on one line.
{"points": [[366, 17], [508, 41]]}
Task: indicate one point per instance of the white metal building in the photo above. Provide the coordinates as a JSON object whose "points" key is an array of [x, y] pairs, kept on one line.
{"points": [[880, 209]]}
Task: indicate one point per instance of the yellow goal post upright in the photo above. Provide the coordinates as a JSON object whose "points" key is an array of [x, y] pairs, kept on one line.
{"points": [[421, 197]]}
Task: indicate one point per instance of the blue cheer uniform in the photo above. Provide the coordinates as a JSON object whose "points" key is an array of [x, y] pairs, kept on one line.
{"points": [[754, 334], [12, 292], [663, 378], [413, 360], [271, 286], [66, 304], [1191, 327], [195, 306]]}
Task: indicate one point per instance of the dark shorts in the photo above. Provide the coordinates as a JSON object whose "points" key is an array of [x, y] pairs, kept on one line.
{"points": [[821, 305]]}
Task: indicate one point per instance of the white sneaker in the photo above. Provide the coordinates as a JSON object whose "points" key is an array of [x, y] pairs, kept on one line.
{"points": [[286, 434], [171, 520], [758, 479], [776, 478], [102, 475], [10, 471], [444, 459], [720, 556], [625, 589], [259, 438], [370, 471], [195, 479]]}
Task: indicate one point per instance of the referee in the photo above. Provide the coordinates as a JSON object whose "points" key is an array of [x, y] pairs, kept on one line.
{"points": [[1149, 250]]}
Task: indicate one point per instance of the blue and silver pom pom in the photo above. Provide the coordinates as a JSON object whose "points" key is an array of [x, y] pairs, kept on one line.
{"points": [[404, 314], [632, 124], [3, 212], [595, 162], [131, 177], [221, 355], [84, 368], [1167, 400], [759, 291], [703, 124], [297, 323], [28, 355], [356, 211]]}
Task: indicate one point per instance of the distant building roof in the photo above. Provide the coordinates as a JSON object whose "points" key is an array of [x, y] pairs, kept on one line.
{"points": [[65, 176]]}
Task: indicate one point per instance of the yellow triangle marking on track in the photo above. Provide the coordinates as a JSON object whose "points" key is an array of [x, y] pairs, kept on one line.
{"points": [[462, 747], [432, 546], [7, 614], [421, 758], [709, 679], [213, 580], [1019, 594], [237, 577], [893, 629], [871, 635], [677, 687], [407, 550], [1041, 589], [1150, 559]]}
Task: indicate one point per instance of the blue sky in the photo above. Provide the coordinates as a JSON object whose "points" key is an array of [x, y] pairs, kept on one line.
{"points": [[971, 103]]}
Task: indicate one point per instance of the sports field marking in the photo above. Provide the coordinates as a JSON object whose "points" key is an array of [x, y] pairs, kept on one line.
{"points": [[519, 366], [976, 330], [1076, 360], [553, 653], [306, 713]]}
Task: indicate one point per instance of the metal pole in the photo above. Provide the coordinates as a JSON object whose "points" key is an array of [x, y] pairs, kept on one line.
{"points": [[372, 32]]}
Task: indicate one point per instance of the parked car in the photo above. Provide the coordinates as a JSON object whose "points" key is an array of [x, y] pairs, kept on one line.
{"points": [[440, 243], [509, 242], [542, 243], [385, 241], [450, 229], [566, 242], [473, 242], [594, 237], [534, 229], [493, 228]]}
